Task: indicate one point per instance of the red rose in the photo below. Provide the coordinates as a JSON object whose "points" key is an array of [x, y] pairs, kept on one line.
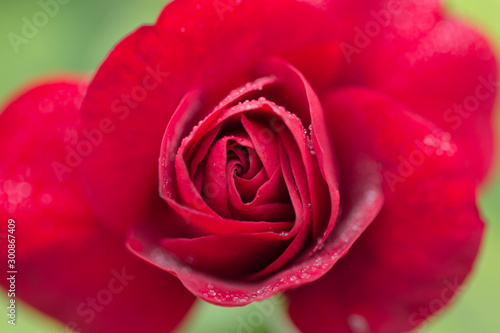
{"points": [[289, 134]]}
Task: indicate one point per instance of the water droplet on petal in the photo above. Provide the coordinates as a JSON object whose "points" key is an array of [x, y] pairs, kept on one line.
{"points": [[358, 323]]}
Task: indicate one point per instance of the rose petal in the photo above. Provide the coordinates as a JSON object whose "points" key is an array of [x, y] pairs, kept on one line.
{"points": [[37, 184], [230, 256], [297, 93], [422, 244], [70, 267], [270, 201]]}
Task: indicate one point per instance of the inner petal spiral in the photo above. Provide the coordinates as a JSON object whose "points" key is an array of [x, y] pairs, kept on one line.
{"points": [[254, 173], [239, 176]]}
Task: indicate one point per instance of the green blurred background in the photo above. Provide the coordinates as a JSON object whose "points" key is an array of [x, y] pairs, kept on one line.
{"points": [[79, 37]]}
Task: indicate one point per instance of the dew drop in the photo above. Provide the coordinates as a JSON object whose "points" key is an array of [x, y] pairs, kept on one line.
{"points": [[358, 323], [46, 199], [24, 189]]}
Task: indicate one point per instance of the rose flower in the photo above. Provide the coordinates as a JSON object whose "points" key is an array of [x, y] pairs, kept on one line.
{"points": [[235, 150]]}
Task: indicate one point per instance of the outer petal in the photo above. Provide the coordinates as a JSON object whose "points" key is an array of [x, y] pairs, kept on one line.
{"points": [[414, 256], [440, 68], [33, 164], [69, 266]]}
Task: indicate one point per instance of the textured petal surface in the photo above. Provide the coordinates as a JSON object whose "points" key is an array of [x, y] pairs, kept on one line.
{"points": [[414, 256], [70, 267]]}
